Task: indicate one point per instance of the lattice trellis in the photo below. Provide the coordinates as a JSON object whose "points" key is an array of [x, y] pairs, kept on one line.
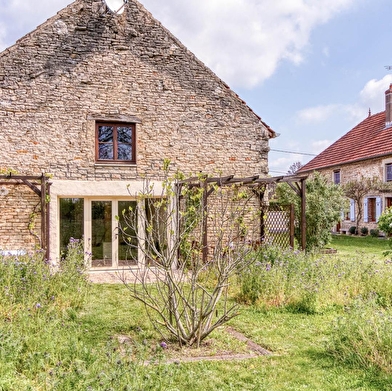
{"points": [[277, 227]]}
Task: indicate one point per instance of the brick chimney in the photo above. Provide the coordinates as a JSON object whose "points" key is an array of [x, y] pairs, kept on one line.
{"points": [[388, 107]]}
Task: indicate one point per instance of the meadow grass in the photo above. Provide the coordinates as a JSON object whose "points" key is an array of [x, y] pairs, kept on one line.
{"points": [[325, 319]]}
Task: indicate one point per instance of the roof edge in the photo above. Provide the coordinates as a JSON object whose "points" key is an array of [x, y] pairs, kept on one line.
{"points": [[344, 163]]}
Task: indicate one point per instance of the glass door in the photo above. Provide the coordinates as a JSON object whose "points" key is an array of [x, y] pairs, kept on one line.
{"points": [[127, 243], [101, 234], [109, 229]]}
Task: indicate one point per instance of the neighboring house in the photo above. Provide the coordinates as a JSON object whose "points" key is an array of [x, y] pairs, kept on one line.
{"points": [[98, 101], [365, 151]]}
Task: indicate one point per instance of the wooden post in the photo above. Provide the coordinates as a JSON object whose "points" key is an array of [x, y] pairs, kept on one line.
{"points": [[47, 194], [292, 223], [303, 214], [205, 222], [262, 220], [43, 213]]}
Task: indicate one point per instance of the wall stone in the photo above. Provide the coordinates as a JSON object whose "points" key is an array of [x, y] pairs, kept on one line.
{"points": [[86, 63], [369, 169]]}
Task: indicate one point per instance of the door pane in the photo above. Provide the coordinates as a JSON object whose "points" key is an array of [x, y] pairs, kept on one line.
{"points": [[156, 226], [127, 239], [71, 221], [101, 233]]}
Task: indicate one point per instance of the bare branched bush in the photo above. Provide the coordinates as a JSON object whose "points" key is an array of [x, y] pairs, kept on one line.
{"points": [[190, 240]]}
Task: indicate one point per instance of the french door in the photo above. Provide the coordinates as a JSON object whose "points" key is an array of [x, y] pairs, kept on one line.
{"points": [[108, 227]]}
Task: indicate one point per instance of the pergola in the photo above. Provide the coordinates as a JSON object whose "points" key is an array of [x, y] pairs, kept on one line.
{"points": [[296, 182], [39, 185]]}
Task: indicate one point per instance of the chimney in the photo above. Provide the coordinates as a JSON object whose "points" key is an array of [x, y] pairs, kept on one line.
{"points": [[388, 107]]}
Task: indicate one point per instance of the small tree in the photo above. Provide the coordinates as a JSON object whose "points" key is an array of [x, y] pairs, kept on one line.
{"points": [[190, 295], [357, 190], [324, 203], [294, 168]]}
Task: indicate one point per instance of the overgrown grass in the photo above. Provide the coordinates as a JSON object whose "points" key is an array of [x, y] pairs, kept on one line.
{"points": [[315, 282], [326, 319]]}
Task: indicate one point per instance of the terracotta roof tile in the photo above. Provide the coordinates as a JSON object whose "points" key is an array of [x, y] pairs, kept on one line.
{"points": [[367, 140]]}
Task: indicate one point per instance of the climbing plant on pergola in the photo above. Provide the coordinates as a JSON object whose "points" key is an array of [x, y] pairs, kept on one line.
{"points": [[258, 186]]}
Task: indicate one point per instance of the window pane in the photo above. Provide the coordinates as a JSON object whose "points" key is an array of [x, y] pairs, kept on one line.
{"points": [[389, 172], [124, 152], [124, 134], [106, 151], [105, 134], [127, 239], [336, 175], [71, 221], [101, 233]]}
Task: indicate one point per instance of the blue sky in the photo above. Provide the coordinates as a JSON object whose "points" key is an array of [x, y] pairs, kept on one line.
{"points": [[310, 68]]}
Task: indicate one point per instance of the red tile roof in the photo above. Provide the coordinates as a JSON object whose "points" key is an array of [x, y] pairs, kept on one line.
{"points": [[369, 139]]}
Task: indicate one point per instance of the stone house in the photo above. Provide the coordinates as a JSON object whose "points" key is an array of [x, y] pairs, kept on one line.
{"points": [[364, 152], [91, 103]]}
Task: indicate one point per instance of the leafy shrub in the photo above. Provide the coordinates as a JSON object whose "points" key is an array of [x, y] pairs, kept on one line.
{"points": [[353, 230], [362, 337], [385, 221], [319, 220], [364, 231], [375, 232]]}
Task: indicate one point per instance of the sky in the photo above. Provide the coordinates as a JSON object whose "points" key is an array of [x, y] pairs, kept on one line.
{"points": [[311, 69]]}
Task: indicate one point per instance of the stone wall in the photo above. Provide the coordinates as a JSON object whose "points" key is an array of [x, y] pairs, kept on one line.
{"points": [[355, 171], [87, 64], [20, 222]]}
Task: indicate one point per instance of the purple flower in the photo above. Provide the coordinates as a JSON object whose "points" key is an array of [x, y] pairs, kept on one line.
{"points": [[163, 345], [38, 305]]}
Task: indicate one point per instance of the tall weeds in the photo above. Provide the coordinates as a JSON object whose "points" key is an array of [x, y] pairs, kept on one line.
{"points": [[312, 282], [35, 303]]}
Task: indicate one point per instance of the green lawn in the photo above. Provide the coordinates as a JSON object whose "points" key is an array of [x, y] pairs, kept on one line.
{"points": [[367, 245]]}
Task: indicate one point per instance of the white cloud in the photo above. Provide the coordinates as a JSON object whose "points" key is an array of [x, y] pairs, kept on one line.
{"points": [[317, 114], [244, 42], [372, 97], [319, 145], [373, 94]]}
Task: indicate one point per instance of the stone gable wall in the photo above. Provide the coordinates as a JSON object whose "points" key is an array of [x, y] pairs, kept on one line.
{"points": [[85, 64]]}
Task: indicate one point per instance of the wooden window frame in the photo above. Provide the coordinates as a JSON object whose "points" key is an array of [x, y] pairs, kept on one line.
{"points": [[115, 125], [386, 173], [335, 174]]}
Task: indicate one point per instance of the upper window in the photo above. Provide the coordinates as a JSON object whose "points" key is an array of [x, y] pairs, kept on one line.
{"points": [[388, 172], [336, 177], [115, 142]]}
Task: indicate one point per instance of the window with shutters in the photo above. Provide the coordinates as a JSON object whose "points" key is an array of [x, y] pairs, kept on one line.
{"points": [[372, 209]]}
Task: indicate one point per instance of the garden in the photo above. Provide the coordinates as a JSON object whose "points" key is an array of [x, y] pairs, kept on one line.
{"points": [[325, 320]]}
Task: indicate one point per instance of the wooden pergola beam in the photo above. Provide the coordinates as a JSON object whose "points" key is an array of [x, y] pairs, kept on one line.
{"points": [[296, 182]]}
